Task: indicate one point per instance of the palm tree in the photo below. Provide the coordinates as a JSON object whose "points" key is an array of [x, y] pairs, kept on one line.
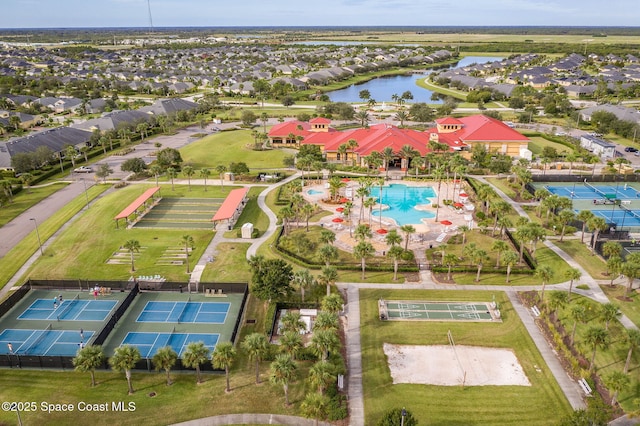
{"points": [[395, 253], [88, 359], [321, 375], [478, 256], [585, 217], [499, 246], [504, 223], [450, 260], [328, 253], [631, 269], [572, 274], [332, 303], [596, 337], [187, 241], [361, 251], [291, 343], [633, 340], [220, 169], [164, 359], [156, 170], [342, 150], [363, 116], [598, 224], [557, 300], [315, 406], [327, 236], [303, 279], [406, 153], [369, 203], [408, 230], [307, 209], [523, 234], [362, 233], [256, 345], [616, 381], [326, 321], [329, 276], [283, 371], [510, 258], [387, 156], [286, 214], [195, 355], [172, 173], [498, 209], [578, 313], [609, 312], [614, 265], [132, 246], [205, 173], [545, 273], [223, 357], [564, 217], [292, 321], [125, 359], [611, 248], [393, 238], [323, 342], [402, 116], [438, 175], [335, 183]]}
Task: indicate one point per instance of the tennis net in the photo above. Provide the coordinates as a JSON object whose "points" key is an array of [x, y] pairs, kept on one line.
{"points": [[69, 306], [631, 212], [40, 338], [593, 188], [184, 309]]}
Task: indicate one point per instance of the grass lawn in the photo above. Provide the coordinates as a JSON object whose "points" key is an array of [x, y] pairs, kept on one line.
{"points": [[230, 264], [27, 198], [613, 358], [16, 257], [542, 403], [630, 309], [230, 147], [593, 264], [502, 185], [538, 143], [83, 250]]}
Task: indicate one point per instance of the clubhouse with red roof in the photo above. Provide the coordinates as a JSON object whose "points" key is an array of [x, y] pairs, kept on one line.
{"points": [[355, 146]]}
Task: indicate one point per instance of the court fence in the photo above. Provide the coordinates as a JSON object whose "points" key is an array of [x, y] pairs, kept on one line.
{"points": [[66, 362], [606, 178]]}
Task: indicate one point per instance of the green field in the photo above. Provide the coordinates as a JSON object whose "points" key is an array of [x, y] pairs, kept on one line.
{"points": [[227, 147], [538, 143], [543, 403], [27, 198]]}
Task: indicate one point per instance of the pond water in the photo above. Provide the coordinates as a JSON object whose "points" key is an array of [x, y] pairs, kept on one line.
{"points": [[383, 88]]}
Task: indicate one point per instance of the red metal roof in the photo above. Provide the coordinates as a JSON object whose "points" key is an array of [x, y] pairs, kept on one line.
{"points": [[230, 204], [131, 208]]}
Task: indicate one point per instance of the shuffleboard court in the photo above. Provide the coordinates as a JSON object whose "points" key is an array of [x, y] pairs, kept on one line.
{"points": [[185, 312], [43, 342], [68, 310], [437, 311], [149, 343]]}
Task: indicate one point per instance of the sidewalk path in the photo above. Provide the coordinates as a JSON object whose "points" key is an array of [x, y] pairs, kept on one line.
{"points": [[252, 419]]}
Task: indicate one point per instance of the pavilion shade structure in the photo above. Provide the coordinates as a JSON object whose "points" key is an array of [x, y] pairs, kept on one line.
{"points": [[231, 206], [141, 201]]}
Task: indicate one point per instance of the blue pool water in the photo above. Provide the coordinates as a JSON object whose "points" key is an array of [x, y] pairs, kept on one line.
{"points": [[402, 200], [314, 192]]}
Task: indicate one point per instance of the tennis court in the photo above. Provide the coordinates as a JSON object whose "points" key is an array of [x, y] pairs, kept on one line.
{"points": [[437, 311], [149, 343], [621, 217], [184, 312], [68, 310], [586, 191], [46, 342]]}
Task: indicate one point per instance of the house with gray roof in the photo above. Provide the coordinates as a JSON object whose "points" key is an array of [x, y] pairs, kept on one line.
{"points": [[621, 112]]}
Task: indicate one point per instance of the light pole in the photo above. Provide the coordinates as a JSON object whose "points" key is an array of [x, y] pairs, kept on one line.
{"points": [[404, 414], [37, 234]]}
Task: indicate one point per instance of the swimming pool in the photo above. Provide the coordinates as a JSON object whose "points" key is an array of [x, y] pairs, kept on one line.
{"points": [[314, 192], [402, 201]]}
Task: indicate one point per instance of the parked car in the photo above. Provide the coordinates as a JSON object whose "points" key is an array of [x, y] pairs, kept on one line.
{"points": [[83, 169], [630, 149]]}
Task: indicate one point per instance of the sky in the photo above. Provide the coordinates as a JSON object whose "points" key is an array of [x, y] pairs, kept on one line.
{"points": [[219, 13]]}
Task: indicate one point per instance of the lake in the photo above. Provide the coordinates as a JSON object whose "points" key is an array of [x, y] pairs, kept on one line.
{"points": [[383, 88]]}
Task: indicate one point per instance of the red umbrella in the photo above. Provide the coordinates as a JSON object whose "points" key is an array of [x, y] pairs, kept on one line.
{"points": [[345, 180], [382, 231], [344, 200], [446, 222], [338, 219], [340, 209], [458, 205], [463, 195]]}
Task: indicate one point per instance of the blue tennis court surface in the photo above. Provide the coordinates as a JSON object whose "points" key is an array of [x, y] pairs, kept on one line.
{"points": [[185, 312], [149, 343], [69, 310], [588, 191], [43, 342], [620, 217]]}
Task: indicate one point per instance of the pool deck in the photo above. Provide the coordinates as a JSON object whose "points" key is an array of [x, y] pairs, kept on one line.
{"points": [[429, 232]]}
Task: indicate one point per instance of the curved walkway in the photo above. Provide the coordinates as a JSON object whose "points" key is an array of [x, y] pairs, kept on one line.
{"points": [[252, 419]]}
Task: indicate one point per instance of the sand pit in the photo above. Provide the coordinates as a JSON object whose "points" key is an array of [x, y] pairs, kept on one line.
{"points": [[438, 365]]}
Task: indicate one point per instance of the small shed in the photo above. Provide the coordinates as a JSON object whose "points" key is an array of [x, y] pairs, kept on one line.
{"points": [[247, 230]]}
